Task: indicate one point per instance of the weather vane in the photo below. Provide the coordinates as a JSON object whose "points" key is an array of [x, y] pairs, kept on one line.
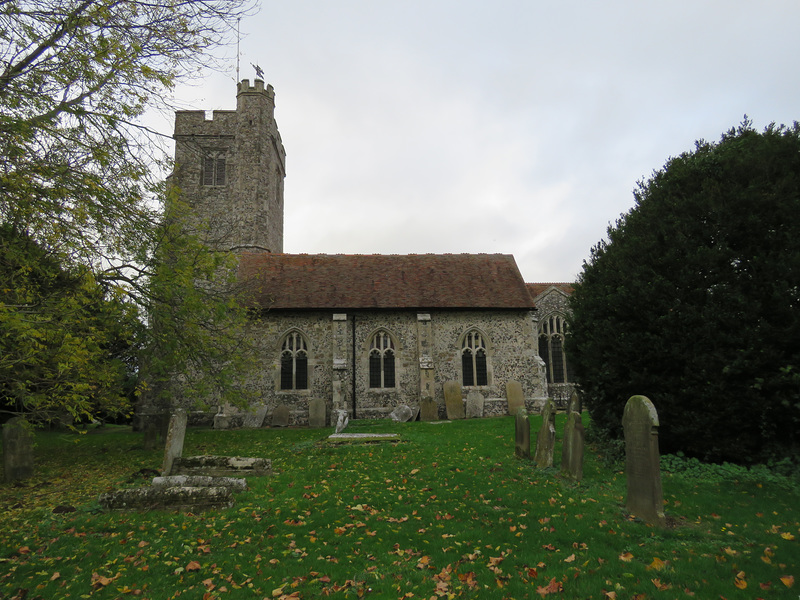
{"points": [[259, 71]]}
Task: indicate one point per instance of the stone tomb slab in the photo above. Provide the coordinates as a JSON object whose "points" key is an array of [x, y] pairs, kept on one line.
{"points": [[236, 484], [362, 438], [191, 499], [642, 461], [453, 401], [221, 466]]}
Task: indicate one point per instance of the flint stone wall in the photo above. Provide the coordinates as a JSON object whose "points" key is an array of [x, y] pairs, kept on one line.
{"points": [[511, 350]]}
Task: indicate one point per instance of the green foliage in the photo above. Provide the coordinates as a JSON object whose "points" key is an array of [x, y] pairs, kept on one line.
{"points": [[81, 180], [65, 345], [198, 344], [693, 301]]}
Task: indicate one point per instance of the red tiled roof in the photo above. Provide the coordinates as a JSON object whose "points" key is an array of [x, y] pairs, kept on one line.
{"points": [[348, 281], [536, 289]]}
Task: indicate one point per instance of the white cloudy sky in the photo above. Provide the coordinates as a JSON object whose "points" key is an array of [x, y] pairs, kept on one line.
{"points": [[511, 126]]}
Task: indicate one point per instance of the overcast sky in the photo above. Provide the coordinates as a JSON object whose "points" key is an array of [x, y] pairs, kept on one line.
{"points": [[517, 127]]}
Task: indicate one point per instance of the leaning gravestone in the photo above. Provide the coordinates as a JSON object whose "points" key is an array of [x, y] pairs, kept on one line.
{"points": [[474, 404], [453, 401], [175, 436], [401, 414], [280, 416], [316, 413], [546, 440], [342, 419], [254, 420], [642, 460], [514, 397], [428, 410], [572, 448], [17, 450], [522, 435]]}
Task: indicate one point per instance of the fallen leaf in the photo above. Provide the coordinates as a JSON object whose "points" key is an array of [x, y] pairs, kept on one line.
{"points": [[740, 583], [551, 588], [193, 566], [788, 580], [787, 536], [657, 564], [570, 558], [626, 557], [55, 576]]}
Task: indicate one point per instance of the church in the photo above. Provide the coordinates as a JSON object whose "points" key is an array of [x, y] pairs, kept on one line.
{"points": [[362, 333]]}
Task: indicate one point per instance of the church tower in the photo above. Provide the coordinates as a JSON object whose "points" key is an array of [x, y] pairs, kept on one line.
{"points": [[230, 170]]}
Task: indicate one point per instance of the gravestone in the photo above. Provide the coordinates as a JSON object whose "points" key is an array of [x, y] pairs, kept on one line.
{"points": [[642, 460], [342, 419], [514, 397], [474, 404], [401, 414], [17, 450], [175, 436], [546, 439], [316, 413], [522, 435], [574, 404], [222, 420], [280, 416], [428, 410], [572, 448], [453, 401], [254, 420]]}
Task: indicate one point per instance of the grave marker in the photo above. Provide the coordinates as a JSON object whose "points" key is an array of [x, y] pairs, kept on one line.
{"points": [[17, 450], [572, 448], [514, 397], [642, 460], [546, 439], [280, 416], [175, 436], [474, 404], [254, 420], [317, 413], [428, 410], [522, 435], [453, 401]]}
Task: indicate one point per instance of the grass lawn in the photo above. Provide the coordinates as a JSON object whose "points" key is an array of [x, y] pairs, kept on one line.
{"points": [[448, 512]]}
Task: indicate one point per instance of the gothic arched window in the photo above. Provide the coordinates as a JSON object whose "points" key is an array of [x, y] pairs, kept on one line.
{"points": [[294, 362], [473, 360], [552, 332], [381, 361]]}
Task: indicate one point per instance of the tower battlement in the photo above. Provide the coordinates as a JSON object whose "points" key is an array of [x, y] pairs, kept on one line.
{"points": [[230, 169]]}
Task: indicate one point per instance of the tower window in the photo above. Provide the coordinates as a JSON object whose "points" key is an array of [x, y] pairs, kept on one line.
{"points": [[474, 369], [214, 170]]}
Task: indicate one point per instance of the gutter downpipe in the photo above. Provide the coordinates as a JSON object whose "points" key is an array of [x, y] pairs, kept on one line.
{"points": [[354, 366]]}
